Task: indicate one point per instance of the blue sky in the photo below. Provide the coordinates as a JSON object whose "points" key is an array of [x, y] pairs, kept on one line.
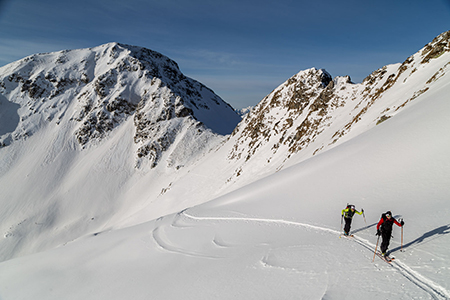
{"points": [[242, 49]]}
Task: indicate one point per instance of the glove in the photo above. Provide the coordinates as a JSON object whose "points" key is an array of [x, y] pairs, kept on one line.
{"points": [[402, 223], [362, 210], [378, 232]]}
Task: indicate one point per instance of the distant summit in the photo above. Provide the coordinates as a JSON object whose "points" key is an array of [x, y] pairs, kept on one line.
{"points": [[243, 111]]}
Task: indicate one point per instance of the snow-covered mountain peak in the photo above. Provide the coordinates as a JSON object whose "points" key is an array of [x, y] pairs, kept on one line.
{"points": [[311, 112], [79, 127], [95, 90], [312, 76], [273, 124]]}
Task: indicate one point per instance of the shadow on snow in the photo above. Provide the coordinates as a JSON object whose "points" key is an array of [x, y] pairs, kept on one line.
{"points": [[371, 225], [436, 233]]}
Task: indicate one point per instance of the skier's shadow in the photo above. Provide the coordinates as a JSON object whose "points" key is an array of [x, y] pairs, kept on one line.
{"points": [[364, 228], [370, 226], [426, 236]]}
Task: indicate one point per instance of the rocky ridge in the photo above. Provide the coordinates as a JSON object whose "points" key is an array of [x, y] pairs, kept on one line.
{"points": [[311, 112]]}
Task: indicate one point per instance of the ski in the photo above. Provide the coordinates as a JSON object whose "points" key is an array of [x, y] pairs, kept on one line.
{"points": [[386, 258], [344, 235]]}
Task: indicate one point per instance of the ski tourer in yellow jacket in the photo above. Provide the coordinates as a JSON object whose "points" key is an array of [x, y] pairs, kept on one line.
{"points": [[347, 214]]}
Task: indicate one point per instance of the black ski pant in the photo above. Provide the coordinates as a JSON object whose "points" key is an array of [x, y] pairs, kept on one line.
{"points": [[385, 239], [348, 223]]}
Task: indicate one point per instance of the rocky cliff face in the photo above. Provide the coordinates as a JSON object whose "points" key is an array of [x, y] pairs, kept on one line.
{"points": [[307, 95], [98, 89]]}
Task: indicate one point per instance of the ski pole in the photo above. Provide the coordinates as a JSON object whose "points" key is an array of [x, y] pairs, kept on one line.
{"points": [[375, 252], [342, 217], [364, 217], [401, 247]]}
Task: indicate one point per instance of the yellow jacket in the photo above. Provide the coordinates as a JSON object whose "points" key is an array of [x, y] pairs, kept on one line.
{"points": [[348, 213]]}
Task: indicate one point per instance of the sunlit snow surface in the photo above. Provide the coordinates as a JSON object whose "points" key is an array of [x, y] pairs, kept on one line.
{"points": [[278, 238]]}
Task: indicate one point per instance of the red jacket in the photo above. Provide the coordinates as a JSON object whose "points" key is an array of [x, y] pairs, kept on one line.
{"points": [[387, 223]]}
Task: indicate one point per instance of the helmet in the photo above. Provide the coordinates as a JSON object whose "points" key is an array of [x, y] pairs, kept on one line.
{"points": [[388, 213]]}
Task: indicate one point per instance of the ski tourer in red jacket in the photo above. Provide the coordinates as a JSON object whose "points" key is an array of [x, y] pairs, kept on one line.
{"points": [[384, 228]]}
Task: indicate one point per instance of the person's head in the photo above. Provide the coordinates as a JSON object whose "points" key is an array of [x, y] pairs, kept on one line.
{"points": [[352, 207], [388, 214]]}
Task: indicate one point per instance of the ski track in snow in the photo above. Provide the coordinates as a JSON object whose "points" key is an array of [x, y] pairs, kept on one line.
{"points": [[163, 242], [433, 289]]}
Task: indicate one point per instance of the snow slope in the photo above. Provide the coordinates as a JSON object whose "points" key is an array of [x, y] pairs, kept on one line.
{"points": [[278, 238], [82, 130]]}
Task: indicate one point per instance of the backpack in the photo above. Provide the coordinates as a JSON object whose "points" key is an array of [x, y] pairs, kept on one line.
{"points": [[349, 213], [386, 226]]}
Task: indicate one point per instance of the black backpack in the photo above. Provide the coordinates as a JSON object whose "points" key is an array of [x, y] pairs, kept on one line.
{"points": [[385, 225]]}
